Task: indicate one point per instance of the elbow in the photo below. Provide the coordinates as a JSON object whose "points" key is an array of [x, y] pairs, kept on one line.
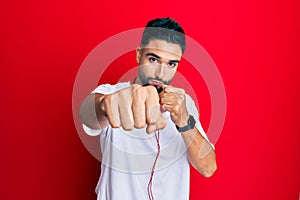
{"points": [[207, 166], [210, 171]]}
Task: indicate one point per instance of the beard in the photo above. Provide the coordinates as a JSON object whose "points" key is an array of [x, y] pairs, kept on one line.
{"points": [[146, 80]]}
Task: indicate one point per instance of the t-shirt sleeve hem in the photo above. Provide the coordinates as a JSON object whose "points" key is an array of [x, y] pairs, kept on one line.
{"points": [[91, 132]]}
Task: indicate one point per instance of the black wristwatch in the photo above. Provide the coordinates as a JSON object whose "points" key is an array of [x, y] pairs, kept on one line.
{"points": [[190, 125]]}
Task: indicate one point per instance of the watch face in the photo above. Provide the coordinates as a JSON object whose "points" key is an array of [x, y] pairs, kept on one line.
{"points": [[192, 122], [190, 125]]}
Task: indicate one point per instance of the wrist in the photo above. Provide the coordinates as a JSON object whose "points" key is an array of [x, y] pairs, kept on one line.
{"points": [[183, 121], [189, 124]]}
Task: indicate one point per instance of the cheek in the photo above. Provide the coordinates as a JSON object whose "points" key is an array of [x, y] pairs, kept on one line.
{"points": [[147, 69], [150, 66], [170, 73]]}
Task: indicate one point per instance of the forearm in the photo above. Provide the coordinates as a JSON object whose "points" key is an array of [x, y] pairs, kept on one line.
{"points": [[91, 114], [201, 154]]}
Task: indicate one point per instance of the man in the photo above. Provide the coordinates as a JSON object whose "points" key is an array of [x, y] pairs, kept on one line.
{"points": [[149, 130]]}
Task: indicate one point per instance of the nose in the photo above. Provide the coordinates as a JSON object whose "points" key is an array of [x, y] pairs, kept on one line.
{"points": [[160, 71]]}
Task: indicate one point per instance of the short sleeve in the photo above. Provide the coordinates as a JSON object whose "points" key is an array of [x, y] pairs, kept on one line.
{"points": [[91, 132], [109, 89], [192, 109]]}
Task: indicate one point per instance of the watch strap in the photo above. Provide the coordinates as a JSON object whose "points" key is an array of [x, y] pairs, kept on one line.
{"points": [[190, 125]]}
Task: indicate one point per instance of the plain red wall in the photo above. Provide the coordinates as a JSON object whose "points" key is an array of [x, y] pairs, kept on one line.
{"points": [[255, 45]]}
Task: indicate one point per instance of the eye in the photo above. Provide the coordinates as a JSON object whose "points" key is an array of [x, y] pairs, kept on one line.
{"points": [[152, 59], [172, 64]]}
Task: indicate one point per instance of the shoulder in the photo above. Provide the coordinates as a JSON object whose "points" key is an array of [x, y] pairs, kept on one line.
{"points": [[109, 89], [191, 106], [189, 101]]}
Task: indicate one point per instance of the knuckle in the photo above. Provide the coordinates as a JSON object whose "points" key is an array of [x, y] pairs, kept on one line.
{"points": [[176, 108], [163, 124], [127, 126], [151, 88], [135, 86], [114, 125], [139, 124], [107, 100], [139, 92]]}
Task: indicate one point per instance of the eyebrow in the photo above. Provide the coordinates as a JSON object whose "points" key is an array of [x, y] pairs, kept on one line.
{"points": [[156, 56]]}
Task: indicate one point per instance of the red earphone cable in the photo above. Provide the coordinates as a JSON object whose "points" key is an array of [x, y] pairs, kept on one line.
{"points": [[149, 188]]}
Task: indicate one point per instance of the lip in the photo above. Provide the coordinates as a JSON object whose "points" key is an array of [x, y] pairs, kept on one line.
{"points": [[156, 83]]}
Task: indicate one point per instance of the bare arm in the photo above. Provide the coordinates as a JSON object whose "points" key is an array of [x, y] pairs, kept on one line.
{"points": [[91, 114], [201, 154], [132, 107]]}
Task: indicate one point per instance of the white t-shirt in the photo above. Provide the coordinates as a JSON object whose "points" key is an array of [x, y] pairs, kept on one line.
{"points": [[128, 158]]}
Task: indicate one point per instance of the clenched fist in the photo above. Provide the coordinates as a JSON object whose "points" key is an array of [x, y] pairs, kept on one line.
{"points": [[173, 100], [134, 107]]}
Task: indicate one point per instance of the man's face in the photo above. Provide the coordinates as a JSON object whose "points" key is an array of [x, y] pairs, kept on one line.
{"points": [[158, 62]]}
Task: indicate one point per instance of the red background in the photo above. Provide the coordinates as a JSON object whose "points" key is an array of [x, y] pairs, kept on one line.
{"points": [[255, 45]]}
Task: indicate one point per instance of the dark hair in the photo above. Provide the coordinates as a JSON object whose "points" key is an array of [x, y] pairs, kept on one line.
{"points": [[164, 29]]}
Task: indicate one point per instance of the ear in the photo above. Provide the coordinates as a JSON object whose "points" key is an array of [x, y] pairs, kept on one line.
{"points": [[138, 54]]}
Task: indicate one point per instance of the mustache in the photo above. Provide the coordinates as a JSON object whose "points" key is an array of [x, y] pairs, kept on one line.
{"points": [[157, 79]]}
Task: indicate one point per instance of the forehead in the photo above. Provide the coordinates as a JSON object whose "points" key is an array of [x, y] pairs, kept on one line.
{"points": [[163, 49]]}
